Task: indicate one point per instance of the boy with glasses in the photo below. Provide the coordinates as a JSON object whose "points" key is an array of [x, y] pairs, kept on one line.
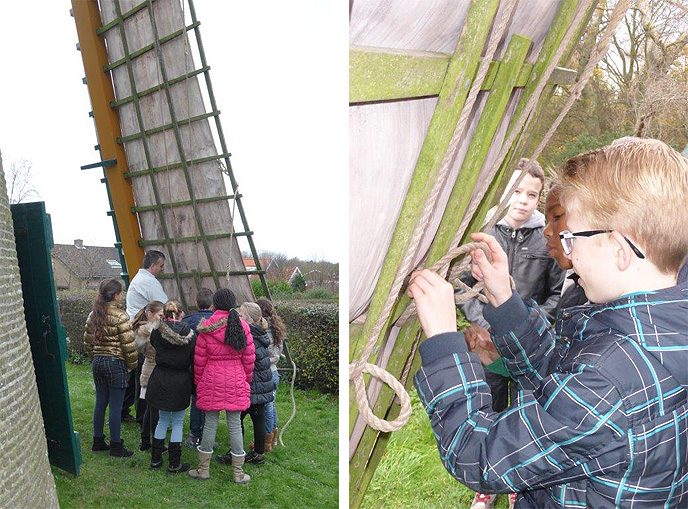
{"points": [[601, 418]]}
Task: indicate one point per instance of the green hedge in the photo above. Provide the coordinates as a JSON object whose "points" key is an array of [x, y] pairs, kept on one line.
{"points": [[313, 332], [74, 308], [313, 336]]}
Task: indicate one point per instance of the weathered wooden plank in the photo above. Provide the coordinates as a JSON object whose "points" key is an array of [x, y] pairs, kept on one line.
{"points": [[457, 83], [377, 74], [163, 149], [381, 74], [492, 114]]}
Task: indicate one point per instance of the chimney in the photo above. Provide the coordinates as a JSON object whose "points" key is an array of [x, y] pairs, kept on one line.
{"points": [[79, 243]]}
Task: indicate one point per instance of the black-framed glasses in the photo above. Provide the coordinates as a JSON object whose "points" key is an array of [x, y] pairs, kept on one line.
{"points": [[567, 237]]}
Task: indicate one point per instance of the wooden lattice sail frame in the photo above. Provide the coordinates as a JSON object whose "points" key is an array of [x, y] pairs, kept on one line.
{"points": [[158, 150], [415, 70]]}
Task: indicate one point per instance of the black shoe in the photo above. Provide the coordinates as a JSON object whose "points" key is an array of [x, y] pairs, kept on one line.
{"points": [[99, 444], [145, 443], [128, 418], [255, 458], [225, 460], [176, 466], [117, 449], [182, 467], [156, 452]]}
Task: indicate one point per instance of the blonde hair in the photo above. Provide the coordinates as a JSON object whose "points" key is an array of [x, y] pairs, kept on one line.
{"points": [[172, 310], [637, 187], [253, 311]]}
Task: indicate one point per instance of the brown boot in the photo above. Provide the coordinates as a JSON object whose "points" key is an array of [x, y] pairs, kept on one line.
{"points": [[268, 442], [238, 473], [202, 471], [275, 436]]}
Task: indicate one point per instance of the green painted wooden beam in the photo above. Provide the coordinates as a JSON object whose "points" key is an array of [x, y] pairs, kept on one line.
{"points": [[383, 74], [495, 106], [460, 73], [379, 74], [531, 136]]}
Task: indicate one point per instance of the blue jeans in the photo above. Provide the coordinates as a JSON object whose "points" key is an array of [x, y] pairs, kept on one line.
{"points": [[196, 418], [112, 397], [271, 408], [177, 419]]}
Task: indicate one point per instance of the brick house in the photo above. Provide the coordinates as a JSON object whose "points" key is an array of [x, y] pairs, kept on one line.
{"points": [[78, 267]]}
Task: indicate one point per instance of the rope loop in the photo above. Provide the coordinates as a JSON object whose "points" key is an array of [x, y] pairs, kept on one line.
{"points": [[356, 375]]}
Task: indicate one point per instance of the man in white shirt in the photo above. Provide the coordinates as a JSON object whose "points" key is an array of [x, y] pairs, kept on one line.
{"points": [[144, 288]]}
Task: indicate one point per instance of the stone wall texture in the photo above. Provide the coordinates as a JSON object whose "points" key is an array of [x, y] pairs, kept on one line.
{"points": [[25, 476]]}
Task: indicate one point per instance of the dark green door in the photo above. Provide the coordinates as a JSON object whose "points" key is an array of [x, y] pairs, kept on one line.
{"points": [[34, 237]]}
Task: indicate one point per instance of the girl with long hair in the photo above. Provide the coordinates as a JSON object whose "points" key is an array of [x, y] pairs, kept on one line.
{"points": [[170, 384], [109, 342], [143, 324], [223, 369], [277, 333]]}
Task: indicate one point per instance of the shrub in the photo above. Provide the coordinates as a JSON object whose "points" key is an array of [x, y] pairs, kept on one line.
{"points": [[278, 288], [74, 309], [313, 340], [298, 284], [320, 294]]}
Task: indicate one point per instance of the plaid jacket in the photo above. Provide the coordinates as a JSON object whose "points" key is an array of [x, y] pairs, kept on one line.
{"points": [[602, 413]]}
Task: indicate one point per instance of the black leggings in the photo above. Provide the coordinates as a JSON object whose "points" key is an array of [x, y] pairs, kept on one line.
{"points": [[257, 413], [150, 421]]}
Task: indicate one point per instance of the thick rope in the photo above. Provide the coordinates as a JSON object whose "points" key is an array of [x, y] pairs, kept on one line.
{"points": [[357, 368], [293, 403]]}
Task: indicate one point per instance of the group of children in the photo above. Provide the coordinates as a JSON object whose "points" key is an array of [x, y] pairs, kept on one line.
{"points": [[599, 417], [223, 357]]}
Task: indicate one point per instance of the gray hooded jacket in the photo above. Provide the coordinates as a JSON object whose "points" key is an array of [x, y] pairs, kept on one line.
{"points": [[536, 275]]}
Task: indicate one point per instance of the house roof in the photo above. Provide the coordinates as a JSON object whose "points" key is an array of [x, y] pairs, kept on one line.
{"points": [[89, 261], [250, 263]]}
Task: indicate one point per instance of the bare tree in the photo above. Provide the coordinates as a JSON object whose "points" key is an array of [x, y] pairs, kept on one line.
{"points": [[19, 180], [647, 65]]}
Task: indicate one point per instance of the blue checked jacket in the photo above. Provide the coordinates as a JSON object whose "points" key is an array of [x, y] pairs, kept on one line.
{"points": [[602, 413]]}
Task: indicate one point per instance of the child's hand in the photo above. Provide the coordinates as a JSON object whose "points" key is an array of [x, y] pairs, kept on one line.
{"points": [[495, 275], [480, 342], [434, 298]]}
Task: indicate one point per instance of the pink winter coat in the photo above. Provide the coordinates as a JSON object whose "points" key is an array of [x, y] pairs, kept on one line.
{"points": [[222, 375]]}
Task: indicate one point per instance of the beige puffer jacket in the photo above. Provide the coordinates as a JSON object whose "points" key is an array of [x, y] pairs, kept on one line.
{"points": [[144, 347], [118, 338]]}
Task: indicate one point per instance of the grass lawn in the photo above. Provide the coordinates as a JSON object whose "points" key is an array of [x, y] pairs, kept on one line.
{"points": [[411, 474], [302, 474]]}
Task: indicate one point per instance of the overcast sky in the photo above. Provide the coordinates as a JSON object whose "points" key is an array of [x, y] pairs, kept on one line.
{"points": [[279, 72]]}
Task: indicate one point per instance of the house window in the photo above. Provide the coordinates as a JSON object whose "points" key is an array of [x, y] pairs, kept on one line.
{"points": [[114, 264]]}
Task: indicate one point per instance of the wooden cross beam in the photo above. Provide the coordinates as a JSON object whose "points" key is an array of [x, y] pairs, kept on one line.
{"points": [[380, 74]]}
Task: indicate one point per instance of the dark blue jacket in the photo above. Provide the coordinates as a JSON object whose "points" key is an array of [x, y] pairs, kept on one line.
{"points": [[197, 317], [261, 383], [601, 418]]}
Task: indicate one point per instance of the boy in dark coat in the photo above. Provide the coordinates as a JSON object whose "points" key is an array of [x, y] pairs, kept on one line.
{"points": [[537, 276]]}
